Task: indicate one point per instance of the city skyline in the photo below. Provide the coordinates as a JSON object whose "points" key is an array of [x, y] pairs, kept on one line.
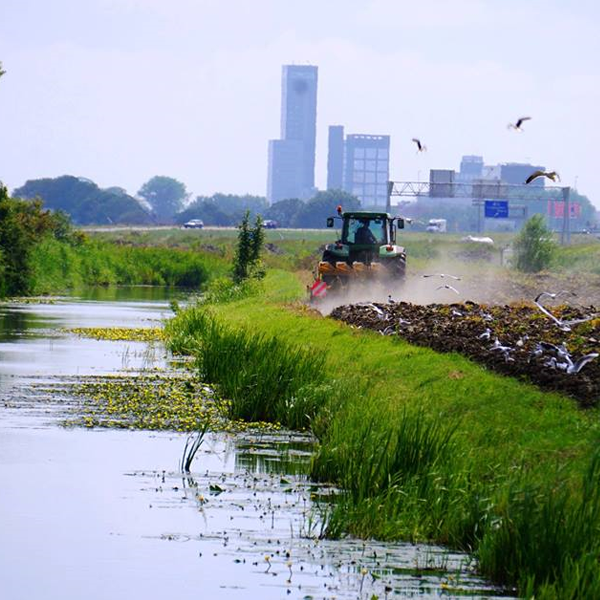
{"points": [[191, 93]]}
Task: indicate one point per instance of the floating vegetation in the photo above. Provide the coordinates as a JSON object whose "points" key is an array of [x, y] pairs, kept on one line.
{"points": [[31, 300], [175, 402], [116, 334]]}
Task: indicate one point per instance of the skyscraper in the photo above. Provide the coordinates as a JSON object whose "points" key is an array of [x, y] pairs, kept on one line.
{"points": [[360, 165], [367, 168], [292, 158], [335, 158]]}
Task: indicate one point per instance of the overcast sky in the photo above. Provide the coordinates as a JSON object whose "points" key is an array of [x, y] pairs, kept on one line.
{"points": [[121, 90]]}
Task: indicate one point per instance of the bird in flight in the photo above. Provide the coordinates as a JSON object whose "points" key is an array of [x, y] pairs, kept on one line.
{"points": [[553, 175], [448, 287], [442, 275], [420, 147], [517, 126], [555, 295]]}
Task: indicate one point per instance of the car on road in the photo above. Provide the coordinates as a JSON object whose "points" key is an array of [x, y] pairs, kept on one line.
{"points": [[194, 224], [270, 224]]}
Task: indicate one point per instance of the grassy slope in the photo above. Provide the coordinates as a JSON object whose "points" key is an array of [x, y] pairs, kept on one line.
{"points": [[57, 266], [503, 421]]}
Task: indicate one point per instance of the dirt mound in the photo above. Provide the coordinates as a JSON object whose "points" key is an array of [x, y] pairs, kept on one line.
{"points": [[517, 340]]}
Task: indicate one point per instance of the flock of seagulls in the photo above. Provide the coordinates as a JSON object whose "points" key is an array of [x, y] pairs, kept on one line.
{"points": [[518, 127], [557, 357]]}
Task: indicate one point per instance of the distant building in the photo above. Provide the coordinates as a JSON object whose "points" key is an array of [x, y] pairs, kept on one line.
{"points": [[292, 158], [367, 168], [285, 174], [335, 158], [471, 167], [360, 165]]}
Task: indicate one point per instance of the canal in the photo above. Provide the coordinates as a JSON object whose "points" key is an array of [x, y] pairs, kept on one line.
{"points": [[103, 513]]}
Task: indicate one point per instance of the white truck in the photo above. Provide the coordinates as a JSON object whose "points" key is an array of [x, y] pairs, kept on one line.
{"points": [[437, 226]]}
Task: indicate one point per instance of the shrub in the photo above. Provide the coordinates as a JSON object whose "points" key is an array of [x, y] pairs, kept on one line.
{"points": [[534, 248], [249, 247]]}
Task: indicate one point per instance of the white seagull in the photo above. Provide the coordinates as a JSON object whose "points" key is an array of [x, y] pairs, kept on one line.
{"points": [[448, 287], [553, 175], [541, 295], [517, 126], [442, 275], [420, 147]]}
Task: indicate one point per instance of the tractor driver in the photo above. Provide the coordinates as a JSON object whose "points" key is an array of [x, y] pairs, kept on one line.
{"points": [[363, 234]]}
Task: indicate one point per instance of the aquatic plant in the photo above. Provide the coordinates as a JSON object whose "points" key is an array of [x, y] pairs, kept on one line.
{"points": [[113, 334], [192, 445], [546, 536]]}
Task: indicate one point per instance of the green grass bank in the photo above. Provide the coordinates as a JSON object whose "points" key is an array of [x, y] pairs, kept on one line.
{"points": [[58, 267], [426, 446]]}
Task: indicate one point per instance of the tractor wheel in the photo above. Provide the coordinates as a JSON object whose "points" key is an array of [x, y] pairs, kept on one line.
{"points": [[399, 268]]}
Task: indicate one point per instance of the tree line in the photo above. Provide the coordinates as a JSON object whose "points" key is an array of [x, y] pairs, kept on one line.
{"points": [[165, 200]]}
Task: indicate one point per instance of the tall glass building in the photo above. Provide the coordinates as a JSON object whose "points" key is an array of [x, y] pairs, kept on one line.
{"points": [[360, 165], [292, 158]]}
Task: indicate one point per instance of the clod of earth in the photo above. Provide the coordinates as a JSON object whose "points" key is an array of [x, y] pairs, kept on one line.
{"points": [[516, 340]]}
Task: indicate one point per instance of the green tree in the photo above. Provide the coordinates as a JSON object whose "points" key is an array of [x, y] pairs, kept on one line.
{"points": [[84, 201], [314, 213], [248, 251], [23, 224], [284, 211], [165, 195], [534, 247], [222, 209]]}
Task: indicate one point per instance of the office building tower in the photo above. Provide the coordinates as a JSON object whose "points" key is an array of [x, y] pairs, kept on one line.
{"points": [[367, 168], [292, 158], [335, 158], [471, 167]]}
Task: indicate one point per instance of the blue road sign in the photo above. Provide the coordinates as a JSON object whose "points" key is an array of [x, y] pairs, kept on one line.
{"points": [[496, 209]]}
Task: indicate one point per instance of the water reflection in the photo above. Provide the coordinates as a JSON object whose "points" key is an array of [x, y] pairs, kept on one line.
{"points": [[145, 293], [17, 322]]}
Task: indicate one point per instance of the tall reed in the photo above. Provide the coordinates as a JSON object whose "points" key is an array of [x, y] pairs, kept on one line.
{"points": [[265, 378], [547, 536]]}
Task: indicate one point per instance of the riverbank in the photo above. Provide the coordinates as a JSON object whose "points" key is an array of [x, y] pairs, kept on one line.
{"points": [[427, 446], [57, 267]]}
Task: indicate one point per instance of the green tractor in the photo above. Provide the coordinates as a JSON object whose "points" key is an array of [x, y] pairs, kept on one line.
{"points": [[366, 251]]}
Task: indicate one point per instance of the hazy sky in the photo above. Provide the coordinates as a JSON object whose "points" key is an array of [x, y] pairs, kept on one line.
{"points": [[121, 90]]}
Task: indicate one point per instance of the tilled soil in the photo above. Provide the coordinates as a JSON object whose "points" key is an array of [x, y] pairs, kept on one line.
{"points": [[513, 339]]}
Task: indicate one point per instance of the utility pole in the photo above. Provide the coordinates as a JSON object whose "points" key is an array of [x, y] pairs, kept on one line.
{"points": [[565, 238]]}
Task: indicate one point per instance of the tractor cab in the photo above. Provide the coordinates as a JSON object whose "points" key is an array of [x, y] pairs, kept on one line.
{"points": [[364, 234], [366, 249], [367, 229]]}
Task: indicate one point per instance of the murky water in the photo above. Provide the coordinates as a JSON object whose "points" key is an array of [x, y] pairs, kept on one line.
{"points": [[105, 513]]}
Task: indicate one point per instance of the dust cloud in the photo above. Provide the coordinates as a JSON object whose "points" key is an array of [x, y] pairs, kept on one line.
{"points": [[478, 283]]}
